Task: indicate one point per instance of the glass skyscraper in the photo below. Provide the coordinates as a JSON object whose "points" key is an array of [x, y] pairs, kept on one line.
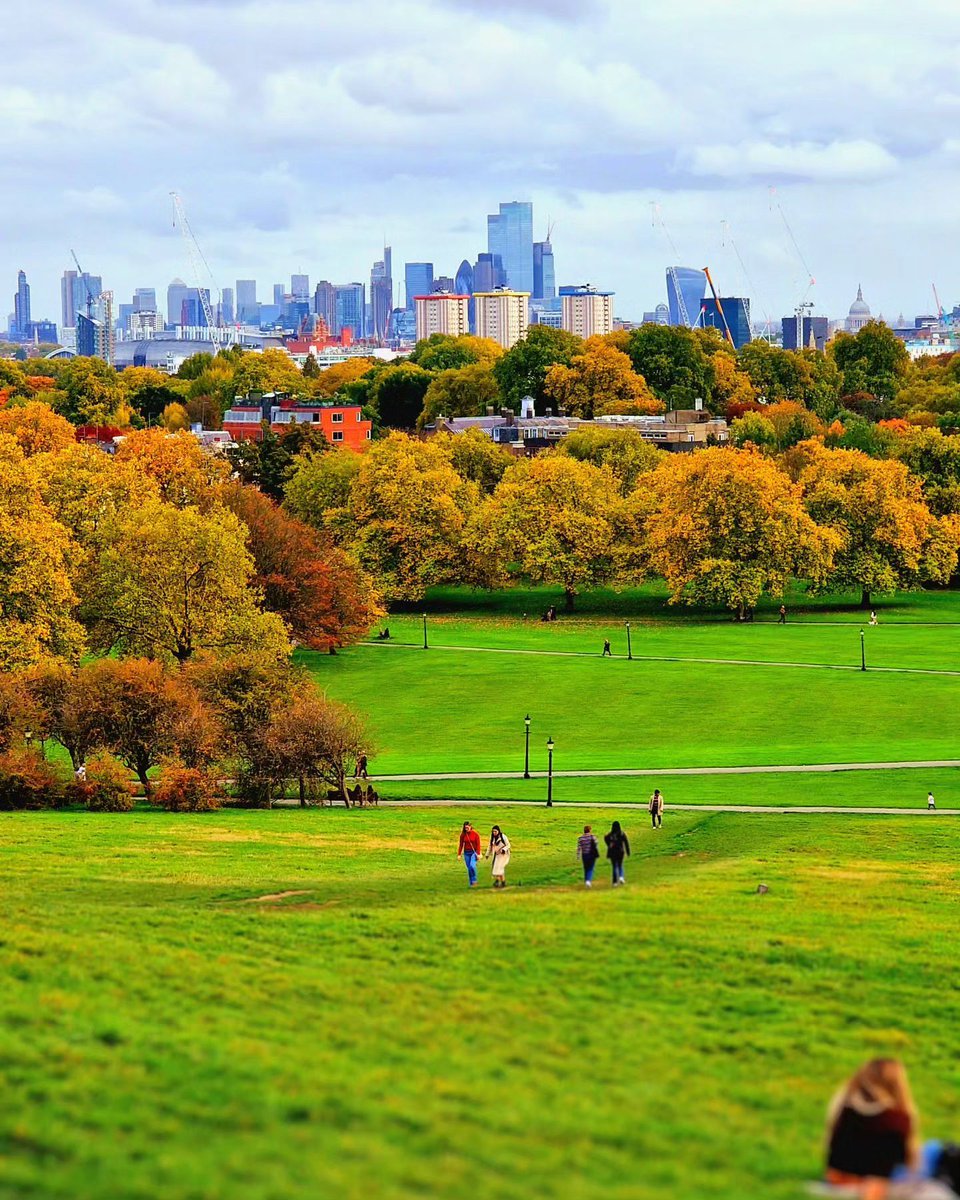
{"points": [[736, 312], [544, 277], [418, 278], [248, 312], [349, 307], [691, 283], [510, 235]]}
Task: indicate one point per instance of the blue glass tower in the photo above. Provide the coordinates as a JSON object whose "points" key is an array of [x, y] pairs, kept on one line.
{"points": [[418, 278], [544, 277], [510, 235], [691, 283]]}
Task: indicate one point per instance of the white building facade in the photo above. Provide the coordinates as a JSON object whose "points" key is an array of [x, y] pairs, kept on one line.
{"points": [[587, 312], [502, 315], [442, 312]]}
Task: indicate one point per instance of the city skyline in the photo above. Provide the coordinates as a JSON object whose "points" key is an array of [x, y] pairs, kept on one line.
{"points": [[616, 110]]}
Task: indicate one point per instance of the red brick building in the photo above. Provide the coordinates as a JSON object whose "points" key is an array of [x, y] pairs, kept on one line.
{"points": [[341, 424]]}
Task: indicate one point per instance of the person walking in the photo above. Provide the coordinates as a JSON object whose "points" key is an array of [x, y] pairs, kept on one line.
{"points": [[931, 803], [469, 850], [499, 850], [782, 619], [588, 852], [607, 652], [656, 808], [362, 767], [618, 845]]}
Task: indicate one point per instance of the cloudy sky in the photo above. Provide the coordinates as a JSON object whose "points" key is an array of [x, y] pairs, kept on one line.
{"points": [[301, 132]]}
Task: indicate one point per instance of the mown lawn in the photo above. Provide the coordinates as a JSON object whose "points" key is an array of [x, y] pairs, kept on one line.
{"points": [[385, 1032]]}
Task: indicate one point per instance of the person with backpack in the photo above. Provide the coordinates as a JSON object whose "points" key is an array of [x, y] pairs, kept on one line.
{"points": [[588, 851], [499, 850], [656, 808], [469, 850], [618, 845]]}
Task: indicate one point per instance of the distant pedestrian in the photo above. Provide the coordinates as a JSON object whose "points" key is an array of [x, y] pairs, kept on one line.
{"points": [[607, 652], [362, 767], [499, 851], [782, 619], [656, 808], [618, 845], [873, 618], [588, 852], [80, 774], [469, 850], [931, 803]]}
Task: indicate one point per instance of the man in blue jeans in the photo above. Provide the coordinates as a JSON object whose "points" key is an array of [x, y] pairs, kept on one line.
{"points": [[469, 850]]}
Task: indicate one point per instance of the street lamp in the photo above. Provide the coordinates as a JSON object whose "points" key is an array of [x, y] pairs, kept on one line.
{"points": [[629, 648], [549, 772], [526, 752], [863, 653], [28, 737], [425, 631]]}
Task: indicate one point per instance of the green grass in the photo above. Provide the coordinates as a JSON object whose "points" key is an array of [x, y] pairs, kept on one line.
{"points": [[389, 1033]]}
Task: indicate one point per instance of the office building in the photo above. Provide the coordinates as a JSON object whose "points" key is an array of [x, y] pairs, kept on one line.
{"points": [[816, 330], [79, 293], [463, 281], [95, 335], [510, 234], [300, 287], [349, 306], [144, 324], [544, 276], [325, 303], [42, 331], [442, 312], [586, 312], [685, 287], [418, 281], [735, 317], [145, 300], [226, 307], [248, 311], [381, 296], [502, 315], [488, 273], [177, 294], [279, 292], [21, 307]]}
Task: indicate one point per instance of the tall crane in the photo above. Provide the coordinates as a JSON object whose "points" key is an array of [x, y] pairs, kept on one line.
{"points": [[86, 283], [937, 298], [195, 254], [716, 300], [657, 219]]}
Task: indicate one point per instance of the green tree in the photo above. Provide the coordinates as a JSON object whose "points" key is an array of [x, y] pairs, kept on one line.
{"points": [[269, 371], [755, 429], [476, 457], [318, 488], [673, 363], [92, 391], [776, 374], [268, 464], [444, 352], [522, 371], [397, 395], [873, 360], [623, 452], [935, 460], [462, 392]]}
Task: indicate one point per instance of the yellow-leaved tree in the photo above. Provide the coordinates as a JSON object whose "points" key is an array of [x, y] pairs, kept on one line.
{"points": [[37, 428], [182, 470], [599, 381]]}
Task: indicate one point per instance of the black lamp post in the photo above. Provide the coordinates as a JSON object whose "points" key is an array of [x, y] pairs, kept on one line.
{"points": [[549, 772], [425, 631], [629, 647], [863, 653], [526, 752], [28, 737]]}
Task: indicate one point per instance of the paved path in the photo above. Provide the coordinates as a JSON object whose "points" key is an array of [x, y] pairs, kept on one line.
{"points": [[673, 658], [614, 772], [795, 810]]}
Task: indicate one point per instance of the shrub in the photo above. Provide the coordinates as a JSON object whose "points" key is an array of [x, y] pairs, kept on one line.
{"points": [[108, 785], [27, 781], [187, 789]]}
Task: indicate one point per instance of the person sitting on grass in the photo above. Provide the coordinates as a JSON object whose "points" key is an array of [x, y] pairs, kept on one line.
{"points": [[873, 1140], [499, 850]]}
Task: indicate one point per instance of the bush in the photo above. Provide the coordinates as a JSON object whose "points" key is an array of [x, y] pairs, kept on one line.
{"points": [[187, 789], [108, 787], [27, 781]]}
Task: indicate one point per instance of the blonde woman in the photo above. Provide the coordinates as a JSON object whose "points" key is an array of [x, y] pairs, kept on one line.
{"points": [[499, 850], [872, 1130]]}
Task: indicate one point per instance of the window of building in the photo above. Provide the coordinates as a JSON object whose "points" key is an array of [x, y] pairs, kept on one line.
{"points": [[338, 435], [359, 415], [368, 435], [337, 418], [316, 416]]}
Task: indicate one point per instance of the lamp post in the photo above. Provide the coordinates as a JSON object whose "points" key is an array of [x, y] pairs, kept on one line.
{"points": [[863, 653], [549, 772], [629, 647], [526, 752], [28, 737], [425, 631]]}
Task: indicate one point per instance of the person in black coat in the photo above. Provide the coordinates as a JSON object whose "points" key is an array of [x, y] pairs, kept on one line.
{"points": [[618, 845]]}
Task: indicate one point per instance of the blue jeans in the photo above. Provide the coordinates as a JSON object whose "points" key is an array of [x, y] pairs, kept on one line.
{"points": [[470, 859], [588, 865]]}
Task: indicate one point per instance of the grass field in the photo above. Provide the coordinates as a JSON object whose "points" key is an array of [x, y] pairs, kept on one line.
{"points": [[386, 1032]]}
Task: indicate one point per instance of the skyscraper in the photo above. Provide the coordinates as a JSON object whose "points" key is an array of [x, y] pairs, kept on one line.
{"points": [[279, 291], [177, 293], [226, 306], [300, 287], [418, 279], [544, 277], [381, 295], [21, 306], [325, 303], [735, 317], [248, 312], [691, 283], [145, 300], [74, 291], [510, 234], [488, 273], [586, 312], [349, 306], [502, 316]]}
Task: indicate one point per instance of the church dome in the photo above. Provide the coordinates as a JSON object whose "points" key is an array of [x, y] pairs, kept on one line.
{"points": [[859, 308]]}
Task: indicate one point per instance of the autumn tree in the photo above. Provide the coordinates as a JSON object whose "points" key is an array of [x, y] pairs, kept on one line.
{"points": [[887, 538], [724, 526], [731, 386], [624, 452], [408, 510], [175, 418], [183, 471], [173, 581], [269, 371], [476, 457], [792, 423], [37, 428], [934, 459], [673, 363], [92, 391], [313, 740], [319, 485], [322, 596], [397, 394], [444, 352], [753, 429], [333, 379], [64, 703], [522, 371], [461, 392], [598, 381], [268, 463], [552, 517]]}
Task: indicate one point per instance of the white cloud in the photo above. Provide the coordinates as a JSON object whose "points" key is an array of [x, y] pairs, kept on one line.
{"points": [[857, 160]]}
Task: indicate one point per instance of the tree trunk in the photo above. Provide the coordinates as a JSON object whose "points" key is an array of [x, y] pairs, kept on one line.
{"points": [[864, 598], [303, 797], [569, 596]]}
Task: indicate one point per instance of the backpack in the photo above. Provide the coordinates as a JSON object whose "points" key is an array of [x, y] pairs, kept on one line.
{"points": [[947, 1169]]}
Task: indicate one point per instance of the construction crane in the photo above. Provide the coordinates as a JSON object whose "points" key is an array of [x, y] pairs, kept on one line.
{"points": [[716, 300], [657, 219], [195, 254], [775, 202], [937, 299], [86, 283]]}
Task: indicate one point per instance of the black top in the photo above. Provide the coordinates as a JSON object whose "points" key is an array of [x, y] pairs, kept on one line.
{"points": [[617, 844], [869, 1145]]}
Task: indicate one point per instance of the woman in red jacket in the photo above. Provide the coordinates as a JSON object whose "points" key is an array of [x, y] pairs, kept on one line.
{"points": [[872, 1129], [469, 850]]}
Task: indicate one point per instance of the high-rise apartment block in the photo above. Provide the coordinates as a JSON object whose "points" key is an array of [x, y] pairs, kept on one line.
{"points": [[442, 312], [502, 315], [510, 234], [418, 280], [586, 312]]}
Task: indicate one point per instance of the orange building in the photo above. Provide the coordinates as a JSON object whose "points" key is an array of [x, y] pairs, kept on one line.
{"points": [[340, 424]]}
